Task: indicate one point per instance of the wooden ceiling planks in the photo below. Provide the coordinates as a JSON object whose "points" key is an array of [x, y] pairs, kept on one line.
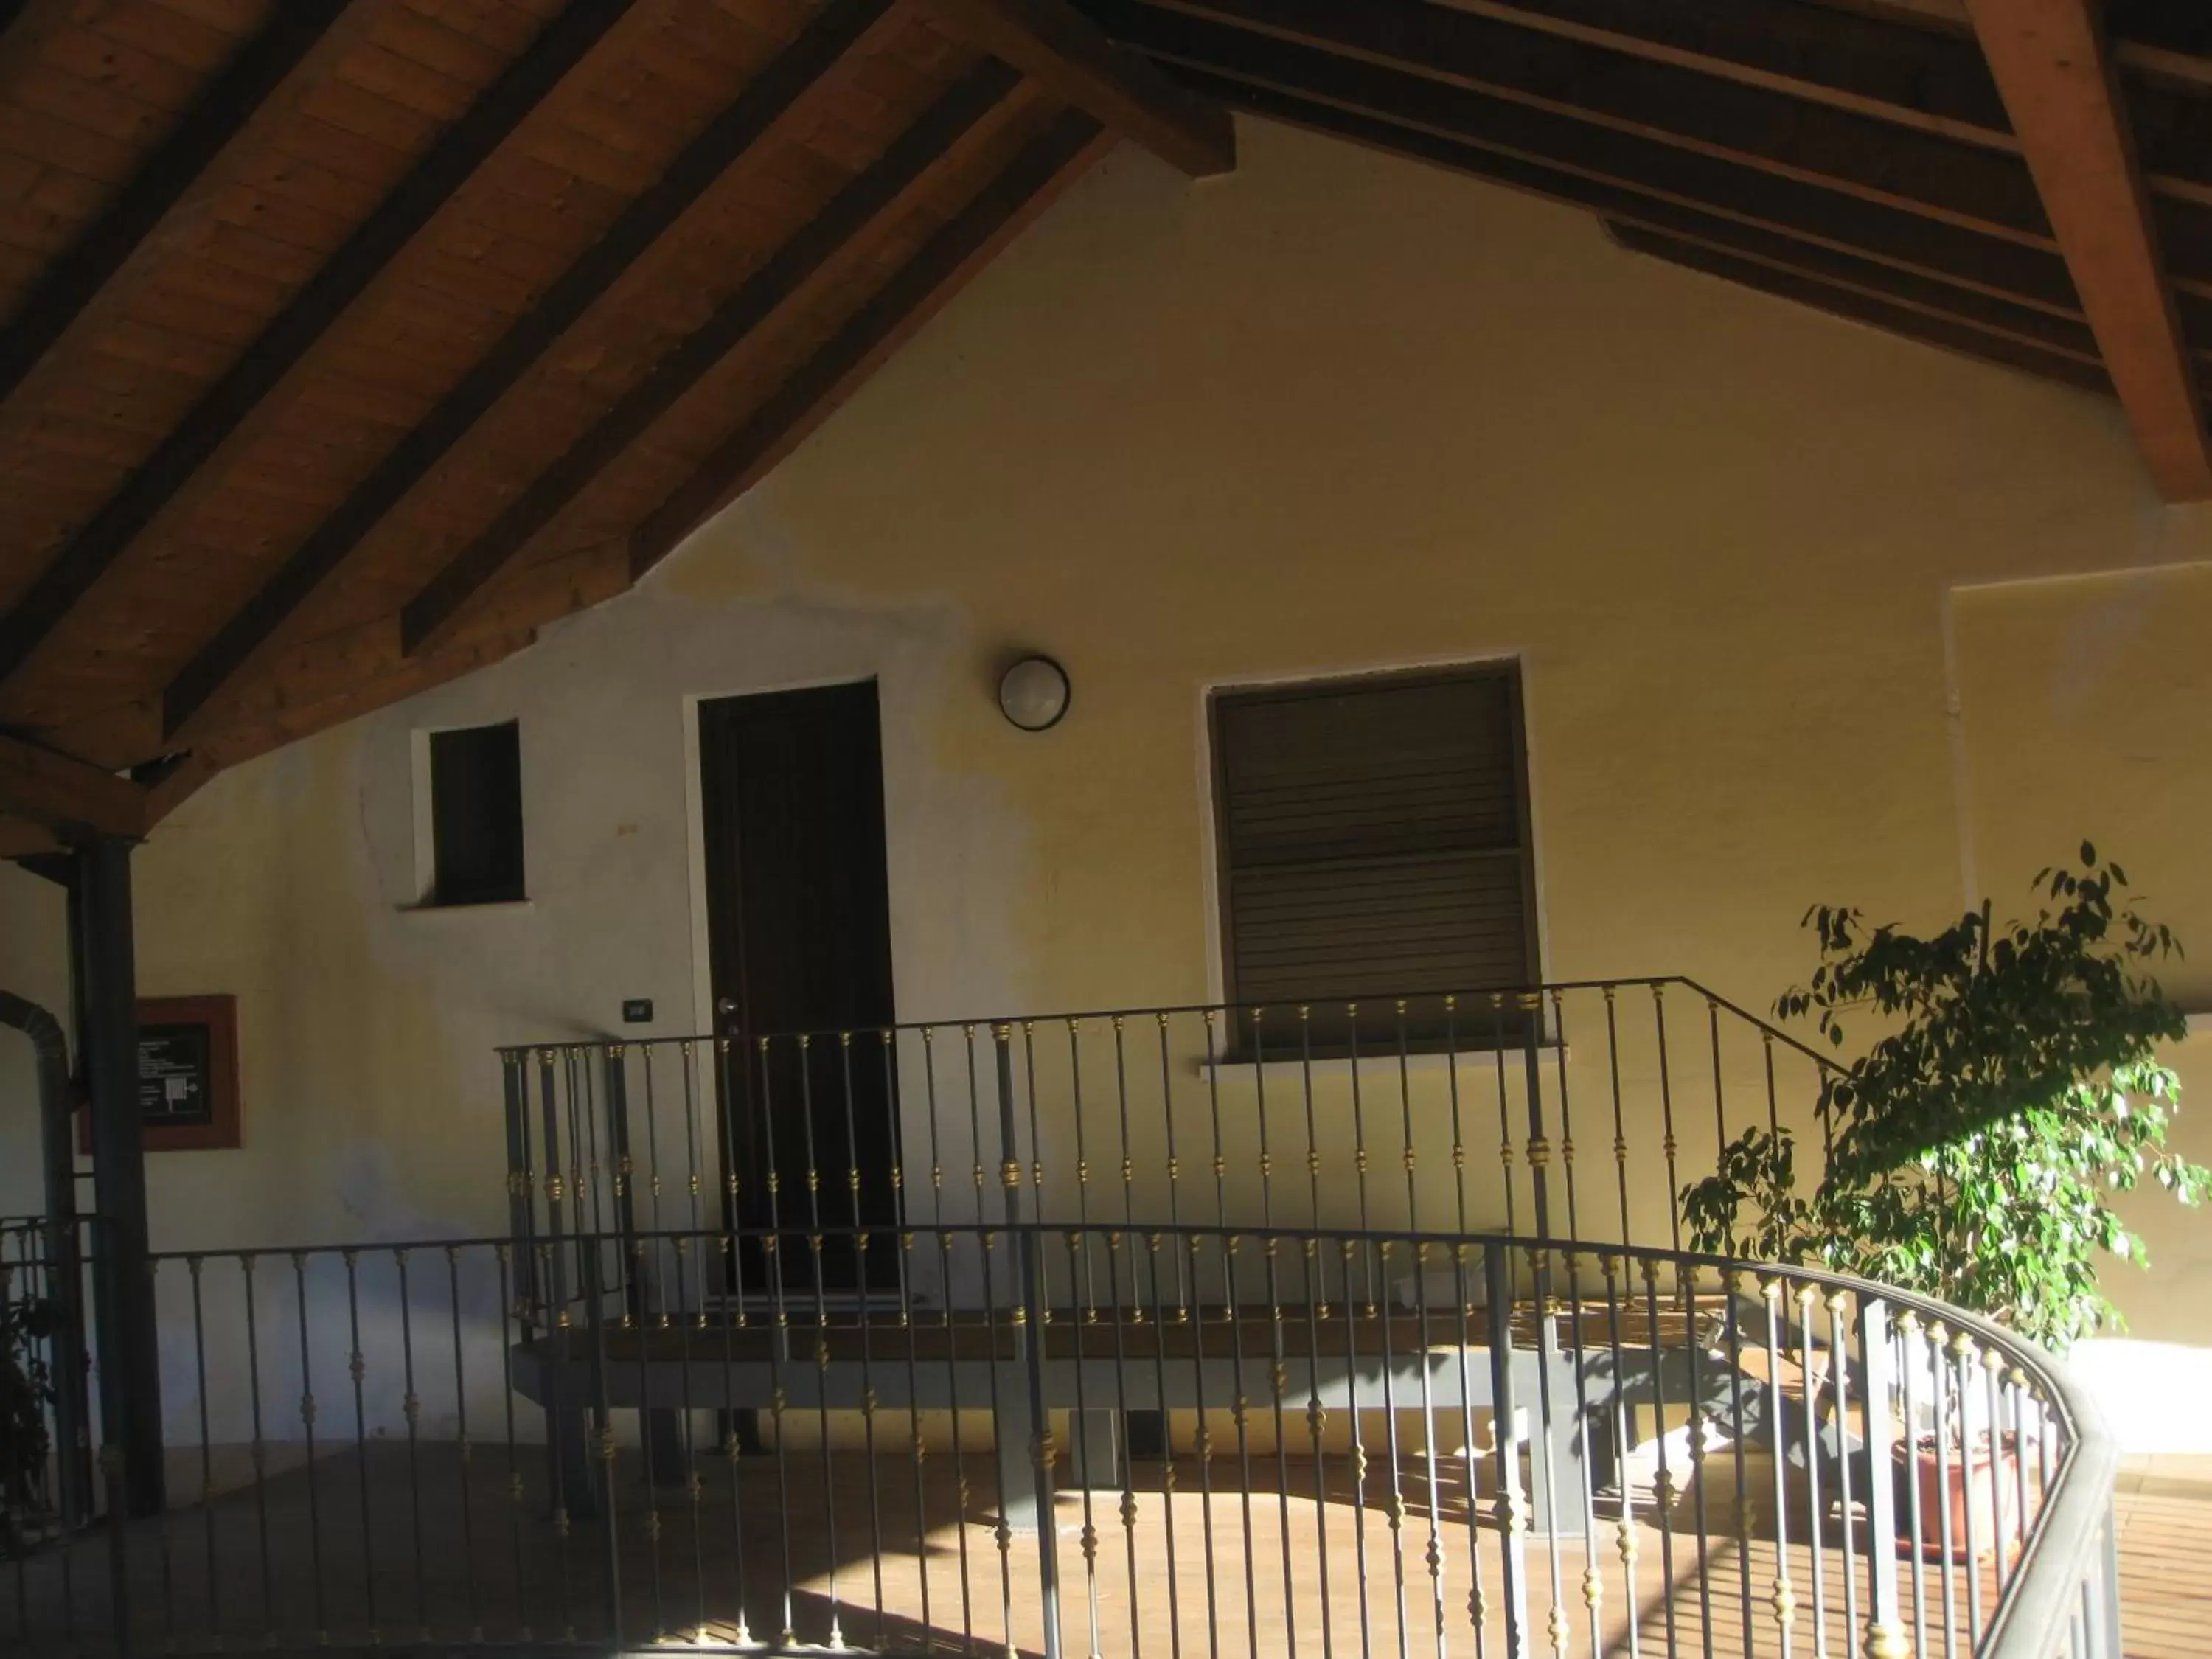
{"points": [[1856, 156], [598, 262], [231, 411], [650, 272], [776, 96]]}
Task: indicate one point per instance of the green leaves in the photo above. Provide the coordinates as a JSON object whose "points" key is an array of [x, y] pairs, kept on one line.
{"points": [[1974, 1141]]}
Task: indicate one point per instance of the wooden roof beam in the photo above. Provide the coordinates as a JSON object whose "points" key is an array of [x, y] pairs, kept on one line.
{"points": [[66, 286], [854, 220], [919, 289], [2051, 63], [772, 100], [66, 795], [1871, 306], [1596, 167], [1060, 48], [72, 572], [1324, 42]]}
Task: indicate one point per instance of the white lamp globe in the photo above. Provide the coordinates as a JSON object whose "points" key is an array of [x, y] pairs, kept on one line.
{"points": [[1033, 694]]}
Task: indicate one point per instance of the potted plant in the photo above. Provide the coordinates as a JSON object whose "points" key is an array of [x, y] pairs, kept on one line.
{"points": [[1974, 1146]]}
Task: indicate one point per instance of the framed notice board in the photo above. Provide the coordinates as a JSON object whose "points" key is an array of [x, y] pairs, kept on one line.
{"points": [[188, 1074]]}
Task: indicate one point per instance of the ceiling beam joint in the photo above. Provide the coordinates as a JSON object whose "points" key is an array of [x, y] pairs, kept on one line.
{"points": [[1063, 51]]}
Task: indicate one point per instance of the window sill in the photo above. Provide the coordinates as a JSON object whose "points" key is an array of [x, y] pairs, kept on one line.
{"points": [[491, 906], [1433, 1062]]}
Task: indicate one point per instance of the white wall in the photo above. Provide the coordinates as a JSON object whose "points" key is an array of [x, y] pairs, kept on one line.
{"points": [[1335, 412]]}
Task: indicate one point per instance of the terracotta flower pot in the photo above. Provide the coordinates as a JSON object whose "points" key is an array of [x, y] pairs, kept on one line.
{"points": [[1958, 1484]]}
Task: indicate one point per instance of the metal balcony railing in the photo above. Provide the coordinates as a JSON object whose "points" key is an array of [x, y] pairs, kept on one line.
{"points": [[1431, 1443], [1169, 1330]]}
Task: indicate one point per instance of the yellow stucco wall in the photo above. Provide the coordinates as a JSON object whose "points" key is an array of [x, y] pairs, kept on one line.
{"points": [[1334, 413]]}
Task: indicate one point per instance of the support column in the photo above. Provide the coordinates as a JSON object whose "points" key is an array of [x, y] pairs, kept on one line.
{"points": [[123, 1282]]}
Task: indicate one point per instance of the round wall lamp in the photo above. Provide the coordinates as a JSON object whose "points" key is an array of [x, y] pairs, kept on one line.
{"points": [[1033, 694]]}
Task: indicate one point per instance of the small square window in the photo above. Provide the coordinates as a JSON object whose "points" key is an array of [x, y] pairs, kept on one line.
{"points": [[476, 815]]}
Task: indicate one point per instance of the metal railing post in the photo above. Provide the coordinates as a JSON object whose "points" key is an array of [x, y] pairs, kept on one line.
{"points": [[602, 1444], [1886, 1635]]}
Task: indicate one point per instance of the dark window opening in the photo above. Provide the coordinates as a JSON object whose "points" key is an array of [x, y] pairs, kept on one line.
{"points": [[1373, 844], [476, 815]]}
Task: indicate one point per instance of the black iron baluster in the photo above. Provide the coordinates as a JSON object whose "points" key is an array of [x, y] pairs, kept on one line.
{"points": [[463, 1449], [1504, 1397], [1316, 1414], [192, 1265], [561, 1427], [511, 1311], [1189, 1242], [1159, 1340], [357, 1367], [1379, 1271], [1732, 1332], [866, 1318], [1002, 1532], [814, 1242], [1700, 1432], [778, 1340], [1360, 1162], [1586, 1474], [1434, 1555], [732, 1246], [952, 1344], [307, 1436], [411, 1408], [690, 1321], [1497, 1050], [1078, 1262], [1127, 1471], [260, 1448], [1277, 1352], [1619, 1154], [1627, 1545], [1667, 1143], [603, 1442], [1175, 1172], [1665, 1492], [649, 1444], [1354, 1313], [908, 1324]]}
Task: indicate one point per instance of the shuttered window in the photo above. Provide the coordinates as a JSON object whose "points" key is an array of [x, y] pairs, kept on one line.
{"points": [[1373, 841]]}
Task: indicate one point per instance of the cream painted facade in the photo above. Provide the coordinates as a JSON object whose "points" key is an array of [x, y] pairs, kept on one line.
{"points": [[1804, 612]]}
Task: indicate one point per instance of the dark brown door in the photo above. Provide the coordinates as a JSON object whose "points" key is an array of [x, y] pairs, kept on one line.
{"points": [[798, 917]]}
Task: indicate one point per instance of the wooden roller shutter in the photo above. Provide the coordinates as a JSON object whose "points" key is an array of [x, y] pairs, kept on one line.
{"points": [[1373, 841]]}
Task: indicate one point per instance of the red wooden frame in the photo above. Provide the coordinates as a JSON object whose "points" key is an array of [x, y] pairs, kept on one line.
{"points": [[224, 1129]]}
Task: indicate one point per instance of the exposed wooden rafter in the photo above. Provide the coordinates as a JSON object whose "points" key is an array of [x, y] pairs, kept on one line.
{"points": [[2051, 63], [1062, 49], [773, 102], [1342, 51], [66, 796], [922, 287], [1874, 307], [380, 238], [855, 219], [71, 282]]}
